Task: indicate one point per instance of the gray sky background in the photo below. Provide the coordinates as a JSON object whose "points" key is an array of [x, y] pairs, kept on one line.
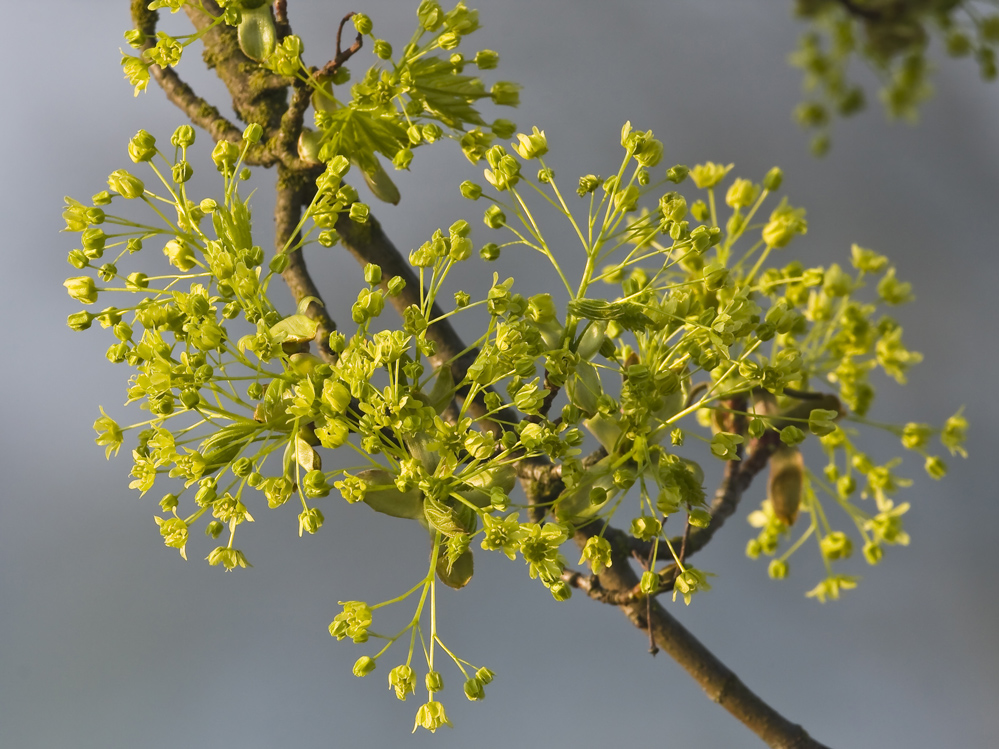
{"points": [[108, 639]]}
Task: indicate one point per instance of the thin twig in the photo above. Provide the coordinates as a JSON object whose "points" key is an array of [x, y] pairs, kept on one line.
{"points": [[342, 55]]}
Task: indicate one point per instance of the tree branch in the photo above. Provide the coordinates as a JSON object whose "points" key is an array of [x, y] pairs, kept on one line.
{"points": [[714, 677], [287, 214], [200, 112]]}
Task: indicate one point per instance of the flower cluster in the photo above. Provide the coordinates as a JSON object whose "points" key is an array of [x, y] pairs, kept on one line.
{"points": [[893, 38], [701, 327]]}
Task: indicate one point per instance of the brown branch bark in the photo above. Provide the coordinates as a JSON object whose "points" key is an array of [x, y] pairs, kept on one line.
{"points": [[714, 677], [287, 214]]}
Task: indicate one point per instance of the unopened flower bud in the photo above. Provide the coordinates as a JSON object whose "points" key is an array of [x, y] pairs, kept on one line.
{"points": [[181, 172], [81, 288], [434, 681], [142, 147], [362, 23], [364, 666], [80, 320], [777, 569], [183, 137], [125, 184]]}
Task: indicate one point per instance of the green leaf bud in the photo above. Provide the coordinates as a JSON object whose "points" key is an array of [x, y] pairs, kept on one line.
{"points": [[773, 179], [133, 245], [327, 238], [77, 259], [126, 185], [142, 147], [364, 666], [81, 288], [362, 23], [181, 172], [183, 137], [257, 34], [382, 49]]}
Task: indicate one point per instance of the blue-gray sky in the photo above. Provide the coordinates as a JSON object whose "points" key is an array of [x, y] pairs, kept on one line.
{"points": [[108, 639]]}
